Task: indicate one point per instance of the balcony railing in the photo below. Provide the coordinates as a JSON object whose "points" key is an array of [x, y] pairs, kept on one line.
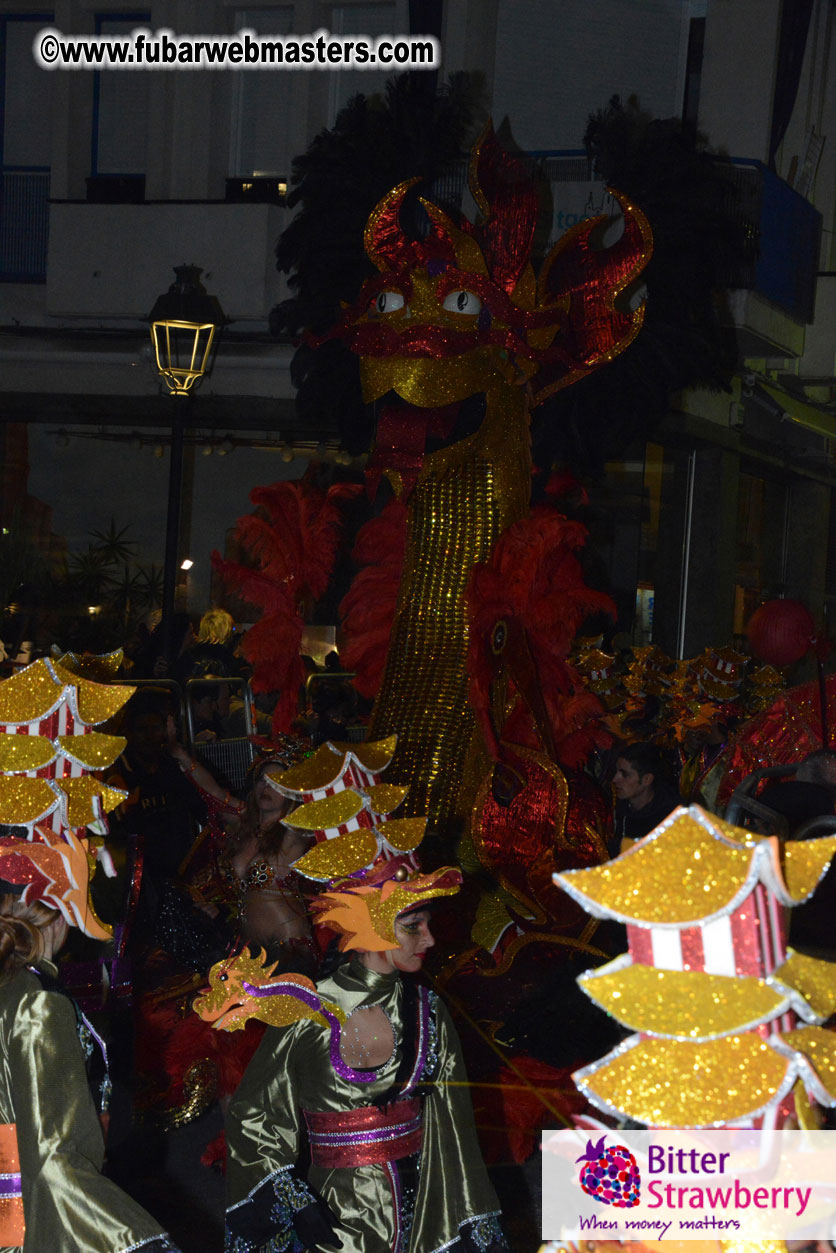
{"points": [[783, 265], [24, 224], [780, 265]]}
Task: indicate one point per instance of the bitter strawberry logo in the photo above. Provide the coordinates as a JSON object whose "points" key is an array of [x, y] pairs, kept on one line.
{"points": [[610, 1174]]}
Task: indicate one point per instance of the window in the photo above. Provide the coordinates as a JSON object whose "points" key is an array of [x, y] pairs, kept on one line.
{"points": [[25, 108], [120, 122], [363, 19], [261, 104]]}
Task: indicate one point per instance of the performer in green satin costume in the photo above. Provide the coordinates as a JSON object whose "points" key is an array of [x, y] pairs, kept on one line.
{"points": [[53, 1198], [377, 1075], [67, 1203]]}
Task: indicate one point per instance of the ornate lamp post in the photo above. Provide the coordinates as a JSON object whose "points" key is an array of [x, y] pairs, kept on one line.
{"points": [[186, 323], [185, 328]]}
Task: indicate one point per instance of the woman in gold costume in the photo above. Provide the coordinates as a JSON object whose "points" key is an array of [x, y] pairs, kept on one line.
{"points": [[52, 1194], [371, 1064]]}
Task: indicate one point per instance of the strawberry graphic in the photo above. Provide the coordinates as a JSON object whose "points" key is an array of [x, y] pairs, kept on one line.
{"points": [[610, 1174]]}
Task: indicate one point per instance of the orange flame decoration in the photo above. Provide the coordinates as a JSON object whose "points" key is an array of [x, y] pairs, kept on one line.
{"points": [[56, 869], [364, 913], [558, 327]]}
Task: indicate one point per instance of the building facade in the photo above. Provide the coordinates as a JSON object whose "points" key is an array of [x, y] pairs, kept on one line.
{"points": [[109, 179]]}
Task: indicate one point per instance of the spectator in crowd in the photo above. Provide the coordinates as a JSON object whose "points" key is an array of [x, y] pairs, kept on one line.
{"points": [[160, 805], [152, 663], [644, 794], [213, 651], [210, 703]]}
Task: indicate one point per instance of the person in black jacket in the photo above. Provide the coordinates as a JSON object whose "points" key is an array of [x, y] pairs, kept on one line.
{"points": [[644, 795]]}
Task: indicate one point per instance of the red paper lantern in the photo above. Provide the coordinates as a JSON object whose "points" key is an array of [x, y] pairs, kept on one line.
{"points": [[781, 632]]}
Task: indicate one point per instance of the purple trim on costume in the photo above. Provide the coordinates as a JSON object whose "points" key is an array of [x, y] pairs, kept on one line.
{"points": [[9, 1186], [314, 1002], [423, 1040], [94, 1033]]}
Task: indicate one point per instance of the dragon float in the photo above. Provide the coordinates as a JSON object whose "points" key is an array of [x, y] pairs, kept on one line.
{"points": [[460, 621]]}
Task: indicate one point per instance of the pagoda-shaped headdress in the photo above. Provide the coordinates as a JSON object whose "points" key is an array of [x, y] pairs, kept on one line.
{"points": [[339, 799], [50, 797], [727, 1019]]}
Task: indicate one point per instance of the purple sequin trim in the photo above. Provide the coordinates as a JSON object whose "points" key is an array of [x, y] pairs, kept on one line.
{"points": [[314, 1002], [9, 1186], [94, 1033]]}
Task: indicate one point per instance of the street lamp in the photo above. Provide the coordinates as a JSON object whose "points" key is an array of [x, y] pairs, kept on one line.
{"points": [[185, 327], [186, 323]]}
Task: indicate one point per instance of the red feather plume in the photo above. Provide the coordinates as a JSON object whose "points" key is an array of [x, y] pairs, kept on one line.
{"points": [[368, 608], [293, 537]]}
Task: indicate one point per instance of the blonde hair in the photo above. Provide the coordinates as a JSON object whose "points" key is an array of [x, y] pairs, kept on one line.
{"points": [[21, 932], [216, 626]]}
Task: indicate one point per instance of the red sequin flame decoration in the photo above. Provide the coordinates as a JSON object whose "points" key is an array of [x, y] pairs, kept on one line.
{"points": [[576, 317], [525, 606], [367, 610]]}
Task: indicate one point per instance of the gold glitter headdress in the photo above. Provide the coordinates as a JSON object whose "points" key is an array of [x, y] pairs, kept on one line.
{"points": [[49, 749], [728, 1019], [365, 856], [236, 993], [342, 803]]}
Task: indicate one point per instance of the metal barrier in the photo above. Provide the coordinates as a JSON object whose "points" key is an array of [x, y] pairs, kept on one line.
{"points": [[228, 758], [743, 802]]}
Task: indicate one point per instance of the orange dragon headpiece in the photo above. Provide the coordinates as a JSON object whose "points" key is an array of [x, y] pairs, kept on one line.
{"points": [[363, 908], [448, 312], [55, 869]]}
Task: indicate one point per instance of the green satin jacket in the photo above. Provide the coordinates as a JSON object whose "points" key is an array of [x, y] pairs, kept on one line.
{"points": [[68, 1205], [292, 1071]]}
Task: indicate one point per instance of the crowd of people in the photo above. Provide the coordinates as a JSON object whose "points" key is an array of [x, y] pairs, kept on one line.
{"points": [[339, 1128]]}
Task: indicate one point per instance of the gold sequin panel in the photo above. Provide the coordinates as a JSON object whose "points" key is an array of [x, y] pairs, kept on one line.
{"points": [[673, 1083], [684, 1004], [456, 513]]}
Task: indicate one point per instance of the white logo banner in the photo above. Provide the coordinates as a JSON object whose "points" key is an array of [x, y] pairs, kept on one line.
{"points": [[689, 1185]]}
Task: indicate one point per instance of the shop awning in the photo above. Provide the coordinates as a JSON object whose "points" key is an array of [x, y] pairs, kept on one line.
{"points": [[802, 412]]}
